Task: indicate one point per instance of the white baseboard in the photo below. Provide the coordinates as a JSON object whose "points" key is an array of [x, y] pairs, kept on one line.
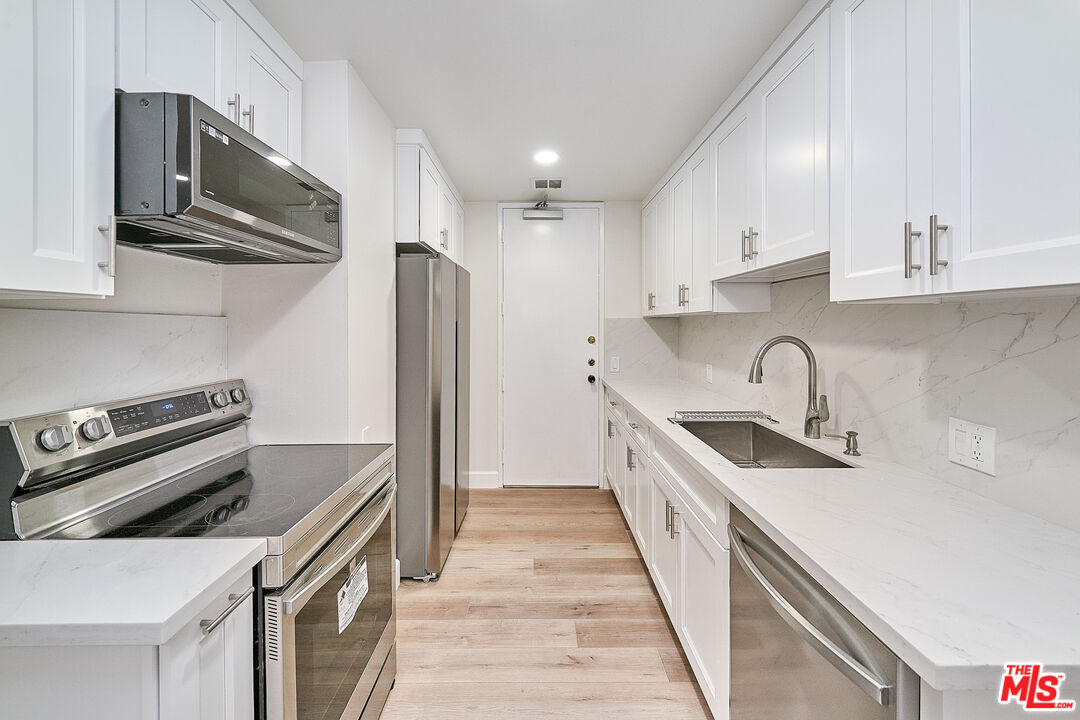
{"points": [[485, 479]]}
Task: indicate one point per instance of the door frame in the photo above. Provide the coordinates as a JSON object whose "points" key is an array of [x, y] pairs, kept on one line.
{"points": [[599, 206]]}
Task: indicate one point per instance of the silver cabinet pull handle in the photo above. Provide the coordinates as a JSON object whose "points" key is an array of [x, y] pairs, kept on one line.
{"points": [[610, 429], [613, 403], [444, 238], [909, 266], [651, 301], [752, 252], [667, 516], [234, 103], [745, 242], [876, 687], [674, 514], [250, 115], [109, 266], [935, 262], [235, 601], [634, 426]]}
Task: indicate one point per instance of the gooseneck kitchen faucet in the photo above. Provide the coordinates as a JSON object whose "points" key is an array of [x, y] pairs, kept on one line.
{"points": [[817, 411]]}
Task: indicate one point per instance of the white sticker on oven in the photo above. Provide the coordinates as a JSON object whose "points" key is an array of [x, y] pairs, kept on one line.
{"points": [[351, 594]]}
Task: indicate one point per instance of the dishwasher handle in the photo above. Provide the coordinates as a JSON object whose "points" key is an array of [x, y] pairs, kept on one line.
{"points": [[881, 690]]}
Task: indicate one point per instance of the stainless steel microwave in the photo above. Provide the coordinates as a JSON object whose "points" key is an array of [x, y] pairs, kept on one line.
{"points": [[190, 182]]}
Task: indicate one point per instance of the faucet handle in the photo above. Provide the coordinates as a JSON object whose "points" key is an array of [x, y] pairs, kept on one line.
{"points": [[823, 409]]}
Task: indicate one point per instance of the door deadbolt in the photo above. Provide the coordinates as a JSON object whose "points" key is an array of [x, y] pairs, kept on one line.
{"points": [[592, 340], [592, 361]]}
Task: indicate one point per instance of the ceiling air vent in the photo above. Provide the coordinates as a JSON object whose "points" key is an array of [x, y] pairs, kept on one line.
{"points": [[547, 183]]}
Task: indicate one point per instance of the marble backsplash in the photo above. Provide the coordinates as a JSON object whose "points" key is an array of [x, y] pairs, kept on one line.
{"points": [[57, 359], [646, 348], [896, 373]]}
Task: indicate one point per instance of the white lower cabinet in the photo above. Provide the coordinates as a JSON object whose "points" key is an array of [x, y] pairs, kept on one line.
{"points": [[635, 490], [663, 552], [689, 568], [703, 619], [207, 668]]}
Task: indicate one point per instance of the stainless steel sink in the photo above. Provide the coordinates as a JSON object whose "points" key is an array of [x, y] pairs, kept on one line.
{"points": [[750, 445]]}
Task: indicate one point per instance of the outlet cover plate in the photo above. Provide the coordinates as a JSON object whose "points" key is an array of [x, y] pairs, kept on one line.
{"points": [[972, 445]]}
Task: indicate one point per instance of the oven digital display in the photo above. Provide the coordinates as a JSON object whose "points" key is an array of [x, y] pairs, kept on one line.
{"points": [[148, 415]]}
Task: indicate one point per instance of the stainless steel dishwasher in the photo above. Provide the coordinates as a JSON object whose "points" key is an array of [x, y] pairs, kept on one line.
{"points": [[796, 652]]}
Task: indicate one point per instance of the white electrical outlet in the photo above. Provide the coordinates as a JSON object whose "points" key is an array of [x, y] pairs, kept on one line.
{"points": [[972, 445], [613, 364], [708, 373]]}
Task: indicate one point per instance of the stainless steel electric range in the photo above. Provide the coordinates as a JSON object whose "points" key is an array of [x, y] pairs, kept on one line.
{"points": [[179, 464]]}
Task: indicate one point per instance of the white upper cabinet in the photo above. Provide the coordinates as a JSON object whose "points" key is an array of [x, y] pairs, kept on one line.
{"points": [[648, 259], [1006, 153], [667, 291], [179, 46], [270, 94], [427, 206], [56, 192], [206, 49], [790, 196], [881, 148], [959, 117], [730, 147], [772, 169]]}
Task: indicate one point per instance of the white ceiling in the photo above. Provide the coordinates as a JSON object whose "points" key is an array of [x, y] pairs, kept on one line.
{"points": [[617, 87]]}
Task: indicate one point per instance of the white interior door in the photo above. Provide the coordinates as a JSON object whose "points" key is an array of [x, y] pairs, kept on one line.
{"points": [[551, 296]]}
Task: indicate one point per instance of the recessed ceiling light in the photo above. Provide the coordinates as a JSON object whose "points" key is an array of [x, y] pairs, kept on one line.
{"points": [[546, 157]]}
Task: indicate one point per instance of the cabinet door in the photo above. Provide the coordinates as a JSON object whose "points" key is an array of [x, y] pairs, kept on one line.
{"points": [[1007, 143], [609, 450], [446, 220], [430, 196], [682, 207], [179, 46], [703, 224], [649, 296], [692, 200], [270, 94], [703, 608], [56, 63], [730, 148], [667, 295], [880, 146], [792, 112], [663, 556], [210, 675], [637, 495]]}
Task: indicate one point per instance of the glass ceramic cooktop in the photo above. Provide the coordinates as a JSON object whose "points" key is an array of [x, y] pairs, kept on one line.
{"points": [[261, 492]]}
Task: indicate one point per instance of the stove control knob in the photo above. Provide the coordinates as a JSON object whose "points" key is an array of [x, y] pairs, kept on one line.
{"points": [[220, 399], [55, 438], [238, 395], [96, 428]]}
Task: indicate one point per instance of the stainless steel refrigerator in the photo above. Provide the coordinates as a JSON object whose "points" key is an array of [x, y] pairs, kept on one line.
{"points": [[432, 408]]}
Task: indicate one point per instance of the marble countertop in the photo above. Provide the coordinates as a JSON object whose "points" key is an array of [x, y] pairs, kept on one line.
{"points": [[113, 591], [956, 584]]}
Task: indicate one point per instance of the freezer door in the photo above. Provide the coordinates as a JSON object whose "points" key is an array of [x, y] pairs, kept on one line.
{"points": [[444, 398], [461, 498]]}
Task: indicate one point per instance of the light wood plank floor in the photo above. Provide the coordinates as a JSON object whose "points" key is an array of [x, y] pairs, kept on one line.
{"points": [[544, 610]]}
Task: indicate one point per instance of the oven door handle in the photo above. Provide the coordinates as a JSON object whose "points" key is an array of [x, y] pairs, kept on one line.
{"points": [[879, 689], [296, 599]]}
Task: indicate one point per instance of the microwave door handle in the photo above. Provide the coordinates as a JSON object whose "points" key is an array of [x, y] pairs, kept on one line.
{"points": [[295, 600], [879, 689]]}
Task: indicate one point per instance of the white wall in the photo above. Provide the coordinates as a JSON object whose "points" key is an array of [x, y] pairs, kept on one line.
{"points": [[316, 342], [622, 287], [161, 330], [895, 373]]}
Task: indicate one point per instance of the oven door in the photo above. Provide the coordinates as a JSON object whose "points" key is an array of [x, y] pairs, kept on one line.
{"points": [[330, 632]]}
